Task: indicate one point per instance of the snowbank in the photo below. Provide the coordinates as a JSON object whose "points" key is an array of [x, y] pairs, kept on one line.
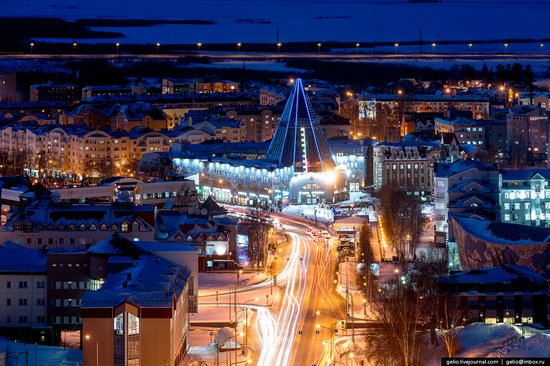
{"points": [[535, 346], [479, 339]]}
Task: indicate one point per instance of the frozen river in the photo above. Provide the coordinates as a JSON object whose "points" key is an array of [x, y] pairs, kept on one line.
{"points": [[304, 20]]}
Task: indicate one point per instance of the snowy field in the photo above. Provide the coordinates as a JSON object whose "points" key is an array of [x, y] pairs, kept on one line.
{"points": [[305, 20], [14, 353]]}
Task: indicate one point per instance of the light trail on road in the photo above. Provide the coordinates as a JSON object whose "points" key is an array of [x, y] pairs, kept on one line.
{"points": [[278, 346]]}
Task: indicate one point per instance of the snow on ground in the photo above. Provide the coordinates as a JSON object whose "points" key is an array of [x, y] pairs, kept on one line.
{"points": [[492, 341], [535, 346], [322, 214], [45, 355], [479, 339], [249, 65], [212, 281]]}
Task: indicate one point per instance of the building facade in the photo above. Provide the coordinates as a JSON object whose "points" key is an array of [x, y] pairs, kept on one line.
{"points": [[23, 294], [507, 293], [463, 186], [527, 136], [525, 197]]}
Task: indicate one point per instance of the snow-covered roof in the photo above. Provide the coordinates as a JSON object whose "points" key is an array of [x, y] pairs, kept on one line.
{"points": [[16, 258], [525, 174], [150, 281], [508, 273], [503, 233], [447, 170]]}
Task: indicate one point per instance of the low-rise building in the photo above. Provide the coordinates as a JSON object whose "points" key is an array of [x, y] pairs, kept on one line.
{"points": [[408, 165], [463, 186], [527, 136], [506, 293], [23, 294], [54, 92], [467, 130], [482, 243], [42, 222], [525, 197], [139, 315], [371, 104]]}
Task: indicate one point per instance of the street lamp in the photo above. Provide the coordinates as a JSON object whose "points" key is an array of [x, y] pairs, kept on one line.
{"points": [[158, 46], [357, 47], [31, 45], [199, 45], [541, 47], [470, 45], [279, 45], [318, 48], [88, 337], [506, 48], [117, 47], [396, 46], [433, 48], [246, 323], [239, 46], [74, 46]]}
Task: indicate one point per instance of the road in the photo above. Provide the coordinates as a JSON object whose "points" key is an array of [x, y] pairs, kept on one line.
{"points": [[308, 300], [270, 56], [286, 333]]}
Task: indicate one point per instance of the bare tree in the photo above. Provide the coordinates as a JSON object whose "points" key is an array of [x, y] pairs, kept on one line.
{"points": [[258, 243], [451, 315], [397, 342], [403, 219]]}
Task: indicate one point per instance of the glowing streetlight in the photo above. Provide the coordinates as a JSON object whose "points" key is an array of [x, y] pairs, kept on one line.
{"points": [[239, 46], [158, 47], [396, 46], [433, 48], [88, 337], [357, 45], [318, 48], [506, 48], [199, 45], [31, 45], [541, 47], [470, 45], [74, 46], [279, 45], [117, 47]]}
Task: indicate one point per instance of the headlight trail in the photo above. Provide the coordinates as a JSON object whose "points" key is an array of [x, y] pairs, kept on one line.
{"points": [[277, 347]]}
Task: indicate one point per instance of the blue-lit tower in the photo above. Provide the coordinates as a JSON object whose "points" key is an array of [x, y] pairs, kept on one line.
{"points": [[299, 141]]}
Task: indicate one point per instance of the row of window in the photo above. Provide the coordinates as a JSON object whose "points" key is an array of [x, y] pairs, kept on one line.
{"points": [[25, 302], [25, 284], [66, 302], [527, 216], [25, 319], [28, 226]]}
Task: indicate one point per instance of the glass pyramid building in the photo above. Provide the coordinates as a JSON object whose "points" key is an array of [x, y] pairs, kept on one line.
{"points": [[299, 141]]}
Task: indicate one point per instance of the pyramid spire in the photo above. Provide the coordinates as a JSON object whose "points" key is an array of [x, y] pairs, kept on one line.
{"points": [[299, 140]]}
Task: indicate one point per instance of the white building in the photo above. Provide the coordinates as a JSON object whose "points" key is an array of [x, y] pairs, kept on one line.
{"points": [[23, 297], [463, 186], [525, 197]]}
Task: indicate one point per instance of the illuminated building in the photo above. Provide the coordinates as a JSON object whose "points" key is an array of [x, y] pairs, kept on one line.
{"points": [[298, 167], [525, 197]]}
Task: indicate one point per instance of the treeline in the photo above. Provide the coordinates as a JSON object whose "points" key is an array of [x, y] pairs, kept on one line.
{"points": [[511, 73]]}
